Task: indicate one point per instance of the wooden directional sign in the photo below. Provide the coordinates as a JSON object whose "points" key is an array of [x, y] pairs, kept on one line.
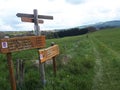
{"points": [[25, 19], [32, 16], [35, 19], [21, 43], [48, 53]]}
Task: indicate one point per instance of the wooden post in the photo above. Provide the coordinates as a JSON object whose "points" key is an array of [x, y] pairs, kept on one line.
{"points": [[37, 32], [36, 26], [54, 62], [19, 72], [11, 71]]}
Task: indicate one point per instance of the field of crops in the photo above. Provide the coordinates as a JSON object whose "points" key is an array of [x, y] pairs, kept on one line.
{"points": [[87, 62]]}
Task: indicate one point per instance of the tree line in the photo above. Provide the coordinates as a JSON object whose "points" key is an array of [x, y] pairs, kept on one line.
{"points": [[68, 32], [50, 34]]}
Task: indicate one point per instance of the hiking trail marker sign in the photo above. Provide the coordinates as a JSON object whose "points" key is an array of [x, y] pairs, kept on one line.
{"points": [[36, 19], [48, 53], [24, 19], [9, 45]]}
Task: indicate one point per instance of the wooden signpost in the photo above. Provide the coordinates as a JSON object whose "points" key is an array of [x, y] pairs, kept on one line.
{"points": [[9, 45], [48, 53], [35, 18]]}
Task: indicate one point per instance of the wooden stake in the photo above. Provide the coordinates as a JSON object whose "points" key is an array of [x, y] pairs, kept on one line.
{"points": [[54, 62], [54, 66], [21, 72], [11, 71]]}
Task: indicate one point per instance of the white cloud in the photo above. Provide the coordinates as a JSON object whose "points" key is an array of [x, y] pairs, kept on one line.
{"points": [[75, 1], [65, 13], [6, 28]]}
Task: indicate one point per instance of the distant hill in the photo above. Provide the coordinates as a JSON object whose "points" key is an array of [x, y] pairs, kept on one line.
{"points": [[67, 32], [108, 24], [102, 25], [86, 28]]}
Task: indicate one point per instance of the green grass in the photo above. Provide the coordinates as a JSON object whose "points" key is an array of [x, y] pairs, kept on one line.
{"points": [[77, 73], [108, 48], [110, 37], [84, 63]]}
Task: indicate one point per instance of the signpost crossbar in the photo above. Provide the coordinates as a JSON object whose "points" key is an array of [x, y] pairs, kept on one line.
{"points": [[32, 16]]}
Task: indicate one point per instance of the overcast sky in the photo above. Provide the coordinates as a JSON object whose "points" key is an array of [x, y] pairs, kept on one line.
{"points": [[66, 13]]}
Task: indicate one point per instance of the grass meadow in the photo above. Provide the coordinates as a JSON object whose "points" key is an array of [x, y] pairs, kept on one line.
{"points": [[86, 62]]}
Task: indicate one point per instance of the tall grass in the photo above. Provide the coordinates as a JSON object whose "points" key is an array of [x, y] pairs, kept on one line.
{"points": [[76, 64], [110, 37], [108, 48], [77, 73]]}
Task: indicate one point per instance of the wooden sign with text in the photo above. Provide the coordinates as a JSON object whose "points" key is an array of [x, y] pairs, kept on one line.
{"points": [[25, 19], [8, 45], [48, 53]]}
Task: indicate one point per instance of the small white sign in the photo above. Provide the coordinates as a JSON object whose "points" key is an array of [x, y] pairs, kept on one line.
{"points": [[41, 56], [4, 45]]}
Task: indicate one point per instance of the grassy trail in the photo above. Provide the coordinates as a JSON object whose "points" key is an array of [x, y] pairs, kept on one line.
{"points": [[77, 73], [85, 63], [107, 67], [98, 68]]}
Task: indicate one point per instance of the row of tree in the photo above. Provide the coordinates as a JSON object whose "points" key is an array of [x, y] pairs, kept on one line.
{"points": [[68, 32], [51, 34]]}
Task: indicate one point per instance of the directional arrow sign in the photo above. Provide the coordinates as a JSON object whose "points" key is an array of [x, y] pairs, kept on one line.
{"points": [[32, 16], [25, 19], [48, 53]]}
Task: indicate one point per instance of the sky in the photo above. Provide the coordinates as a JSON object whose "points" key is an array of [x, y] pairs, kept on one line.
{"points": [[66, 13]]}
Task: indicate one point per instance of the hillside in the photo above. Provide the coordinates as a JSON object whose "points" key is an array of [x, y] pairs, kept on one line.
{"points": [[108, 24], [86, 62], [103, 25], [80, 30]]}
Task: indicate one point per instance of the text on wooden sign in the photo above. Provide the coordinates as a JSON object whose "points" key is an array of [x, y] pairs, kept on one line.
{"points": [[21, 43], [24, 19], [48, 53]]}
